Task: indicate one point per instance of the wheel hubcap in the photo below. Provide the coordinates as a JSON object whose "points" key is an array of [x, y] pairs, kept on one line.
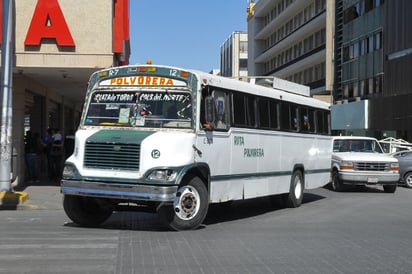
{"points": [[409, 181], [186, 203]]}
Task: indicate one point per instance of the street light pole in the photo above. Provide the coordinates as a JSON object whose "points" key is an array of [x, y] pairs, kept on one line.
{"points": [[6, 98]]}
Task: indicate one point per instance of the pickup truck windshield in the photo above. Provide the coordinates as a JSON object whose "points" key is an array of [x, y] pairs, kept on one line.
{"points": [[356, 145], [140, 109]]}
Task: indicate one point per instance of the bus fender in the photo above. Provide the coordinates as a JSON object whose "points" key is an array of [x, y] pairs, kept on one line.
{"points": [[200, 170], [299, 167]]}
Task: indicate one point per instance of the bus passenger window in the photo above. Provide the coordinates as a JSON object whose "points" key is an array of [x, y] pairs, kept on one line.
{"points": [[305, 120], [295, 126], [221, 120]]}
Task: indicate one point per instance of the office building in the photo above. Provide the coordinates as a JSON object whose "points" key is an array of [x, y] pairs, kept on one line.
{"points": [[291, 39], [373, 87], [233, 55]]}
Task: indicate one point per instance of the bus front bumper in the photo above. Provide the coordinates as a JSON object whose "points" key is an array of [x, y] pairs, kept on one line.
{"points": [[129, 192]]}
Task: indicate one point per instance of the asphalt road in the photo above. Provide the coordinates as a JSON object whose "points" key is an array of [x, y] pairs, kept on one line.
{"points": [[357, 231]]}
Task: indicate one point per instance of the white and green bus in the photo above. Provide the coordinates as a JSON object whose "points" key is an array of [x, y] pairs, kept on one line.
{"points": [[175, 141]]}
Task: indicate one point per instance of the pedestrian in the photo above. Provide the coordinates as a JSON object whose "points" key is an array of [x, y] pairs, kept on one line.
{"points": [[69, 144], [31, 147], [56, 156], [46, 142]]}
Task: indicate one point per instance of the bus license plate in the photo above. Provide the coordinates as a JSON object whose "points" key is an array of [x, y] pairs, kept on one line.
{"points": [[372, 180]]}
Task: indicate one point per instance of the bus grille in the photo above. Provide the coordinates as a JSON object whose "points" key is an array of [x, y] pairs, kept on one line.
{"points": [[112, 156], [372, 166]]}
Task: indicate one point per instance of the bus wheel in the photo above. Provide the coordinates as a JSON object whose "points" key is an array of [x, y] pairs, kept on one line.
{"points": [[85, 211], [295, 196], [189, 207], [336, 183]]}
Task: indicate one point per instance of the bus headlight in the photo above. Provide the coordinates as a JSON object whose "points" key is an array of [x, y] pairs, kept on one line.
{"points": [[166, 175], [69, 171]]}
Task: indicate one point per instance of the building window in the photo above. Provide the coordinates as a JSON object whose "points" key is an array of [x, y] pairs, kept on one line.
{"points": [[362, 88], [368, 5], [378, 40], [370, 44], [362, 48], [355, 90], [378, 84], [242, 64], [370, 86], [243, 46]]}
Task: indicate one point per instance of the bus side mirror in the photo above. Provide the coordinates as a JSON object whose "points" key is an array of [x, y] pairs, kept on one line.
{"points": [[209, 113]]}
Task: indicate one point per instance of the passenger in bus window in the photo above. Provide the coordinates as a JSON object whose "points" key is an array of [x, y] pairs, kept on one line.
{"points": [[220, 111], [306, 124]]}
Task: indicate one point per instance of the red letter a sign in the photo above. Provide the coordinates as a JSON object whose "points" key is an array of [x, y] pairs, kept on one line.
{"points": [[48, 22]]}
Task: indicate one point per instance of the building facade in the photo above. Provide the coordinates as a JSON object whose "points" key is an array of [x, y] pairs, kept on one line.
{"points": [[373, 89], [290, 39], [233, 55], [57, 45]]}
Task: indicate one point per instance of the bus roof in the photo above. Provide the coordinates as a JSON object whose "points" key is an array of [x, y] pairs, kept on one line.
{"points": [[280, 92]]}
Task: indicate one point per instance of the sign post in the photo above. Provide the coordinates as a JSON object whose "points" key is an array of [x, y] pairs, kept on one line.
{"points": [[6, 98]]}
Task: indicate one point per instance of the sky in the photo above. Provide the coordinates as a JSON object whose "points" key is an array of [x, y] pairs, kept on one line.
{"points": [[185, 33]]}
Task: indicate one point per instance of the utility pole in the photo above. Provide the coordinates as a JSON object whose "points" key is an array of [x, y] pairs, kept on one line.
{"points": [[6, 98]]}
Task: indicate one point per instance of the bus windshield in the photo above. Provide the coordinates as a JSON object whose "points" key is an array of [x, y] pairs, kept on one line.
{"points": [[140, 109]]}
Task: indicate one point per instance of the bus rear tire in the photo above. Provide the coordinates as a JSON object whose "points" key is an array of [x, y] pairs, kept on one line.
{"points": [[295, 196], [85, 211], [189, 208]]}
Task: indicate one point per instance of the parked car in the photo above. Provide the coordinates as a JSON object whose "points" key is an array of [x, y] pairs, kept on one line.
{"points": [[361, 161], [405, 167]]}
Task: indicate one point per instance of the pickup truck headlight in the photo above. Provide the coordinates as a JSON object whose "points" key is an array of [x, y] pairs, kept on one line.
{"points": [[346, 165], [166, 175], [395, 166]]}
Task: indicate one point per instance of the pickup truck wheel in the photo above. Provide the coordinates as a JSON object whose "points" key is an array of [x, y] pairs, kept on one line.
{"points": [[189, 208], [408, 179], [389, 188], [295, 196], [336, 183], [85, 211]]}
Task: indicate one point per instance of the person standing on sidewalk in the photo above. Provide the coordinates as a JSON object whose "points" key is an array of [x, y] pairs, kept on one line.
{"points": [[56, 155], [32, 144], [46, 142]]}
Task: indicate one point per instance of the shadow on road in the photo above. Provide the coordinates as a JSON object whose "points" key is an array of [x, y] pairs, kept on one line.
{"points": [[359, 189], [218, 213], [237, 210]]}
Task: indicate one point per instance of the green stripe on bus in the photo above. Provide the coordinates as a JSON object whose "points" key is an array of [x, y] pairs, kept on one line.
{"points": [[263, 174]]}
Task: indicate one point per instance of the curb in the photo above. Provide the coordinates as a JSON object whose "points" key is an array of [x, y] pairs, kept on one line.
{"points": [[11, 200]]}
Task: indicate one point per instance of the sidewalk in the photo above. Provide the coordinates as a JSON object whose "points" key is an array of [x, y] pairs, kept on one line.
{"points": [[42, 195]]}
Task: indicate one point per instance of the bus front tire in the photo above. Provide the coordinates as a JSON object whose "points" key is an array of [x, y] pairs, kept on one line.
{"points": [[85, 211], [189, 208], [295, 196]]}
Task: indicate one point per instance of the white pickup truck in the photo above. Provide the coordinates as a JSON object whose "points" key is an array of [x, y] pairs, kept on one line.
{"points": [[361, 161]]}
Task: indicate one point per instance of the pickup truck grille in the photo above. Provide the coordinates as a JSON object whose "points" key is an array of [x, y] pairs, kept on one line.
{"points": [[372, 166], [112, 156]]}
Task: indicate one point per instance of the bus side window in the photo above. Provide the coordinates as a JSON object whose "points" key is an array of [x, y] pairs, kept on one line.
{"points": [[306, 120], [215, 112], [221, 109], [209, 113]]}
